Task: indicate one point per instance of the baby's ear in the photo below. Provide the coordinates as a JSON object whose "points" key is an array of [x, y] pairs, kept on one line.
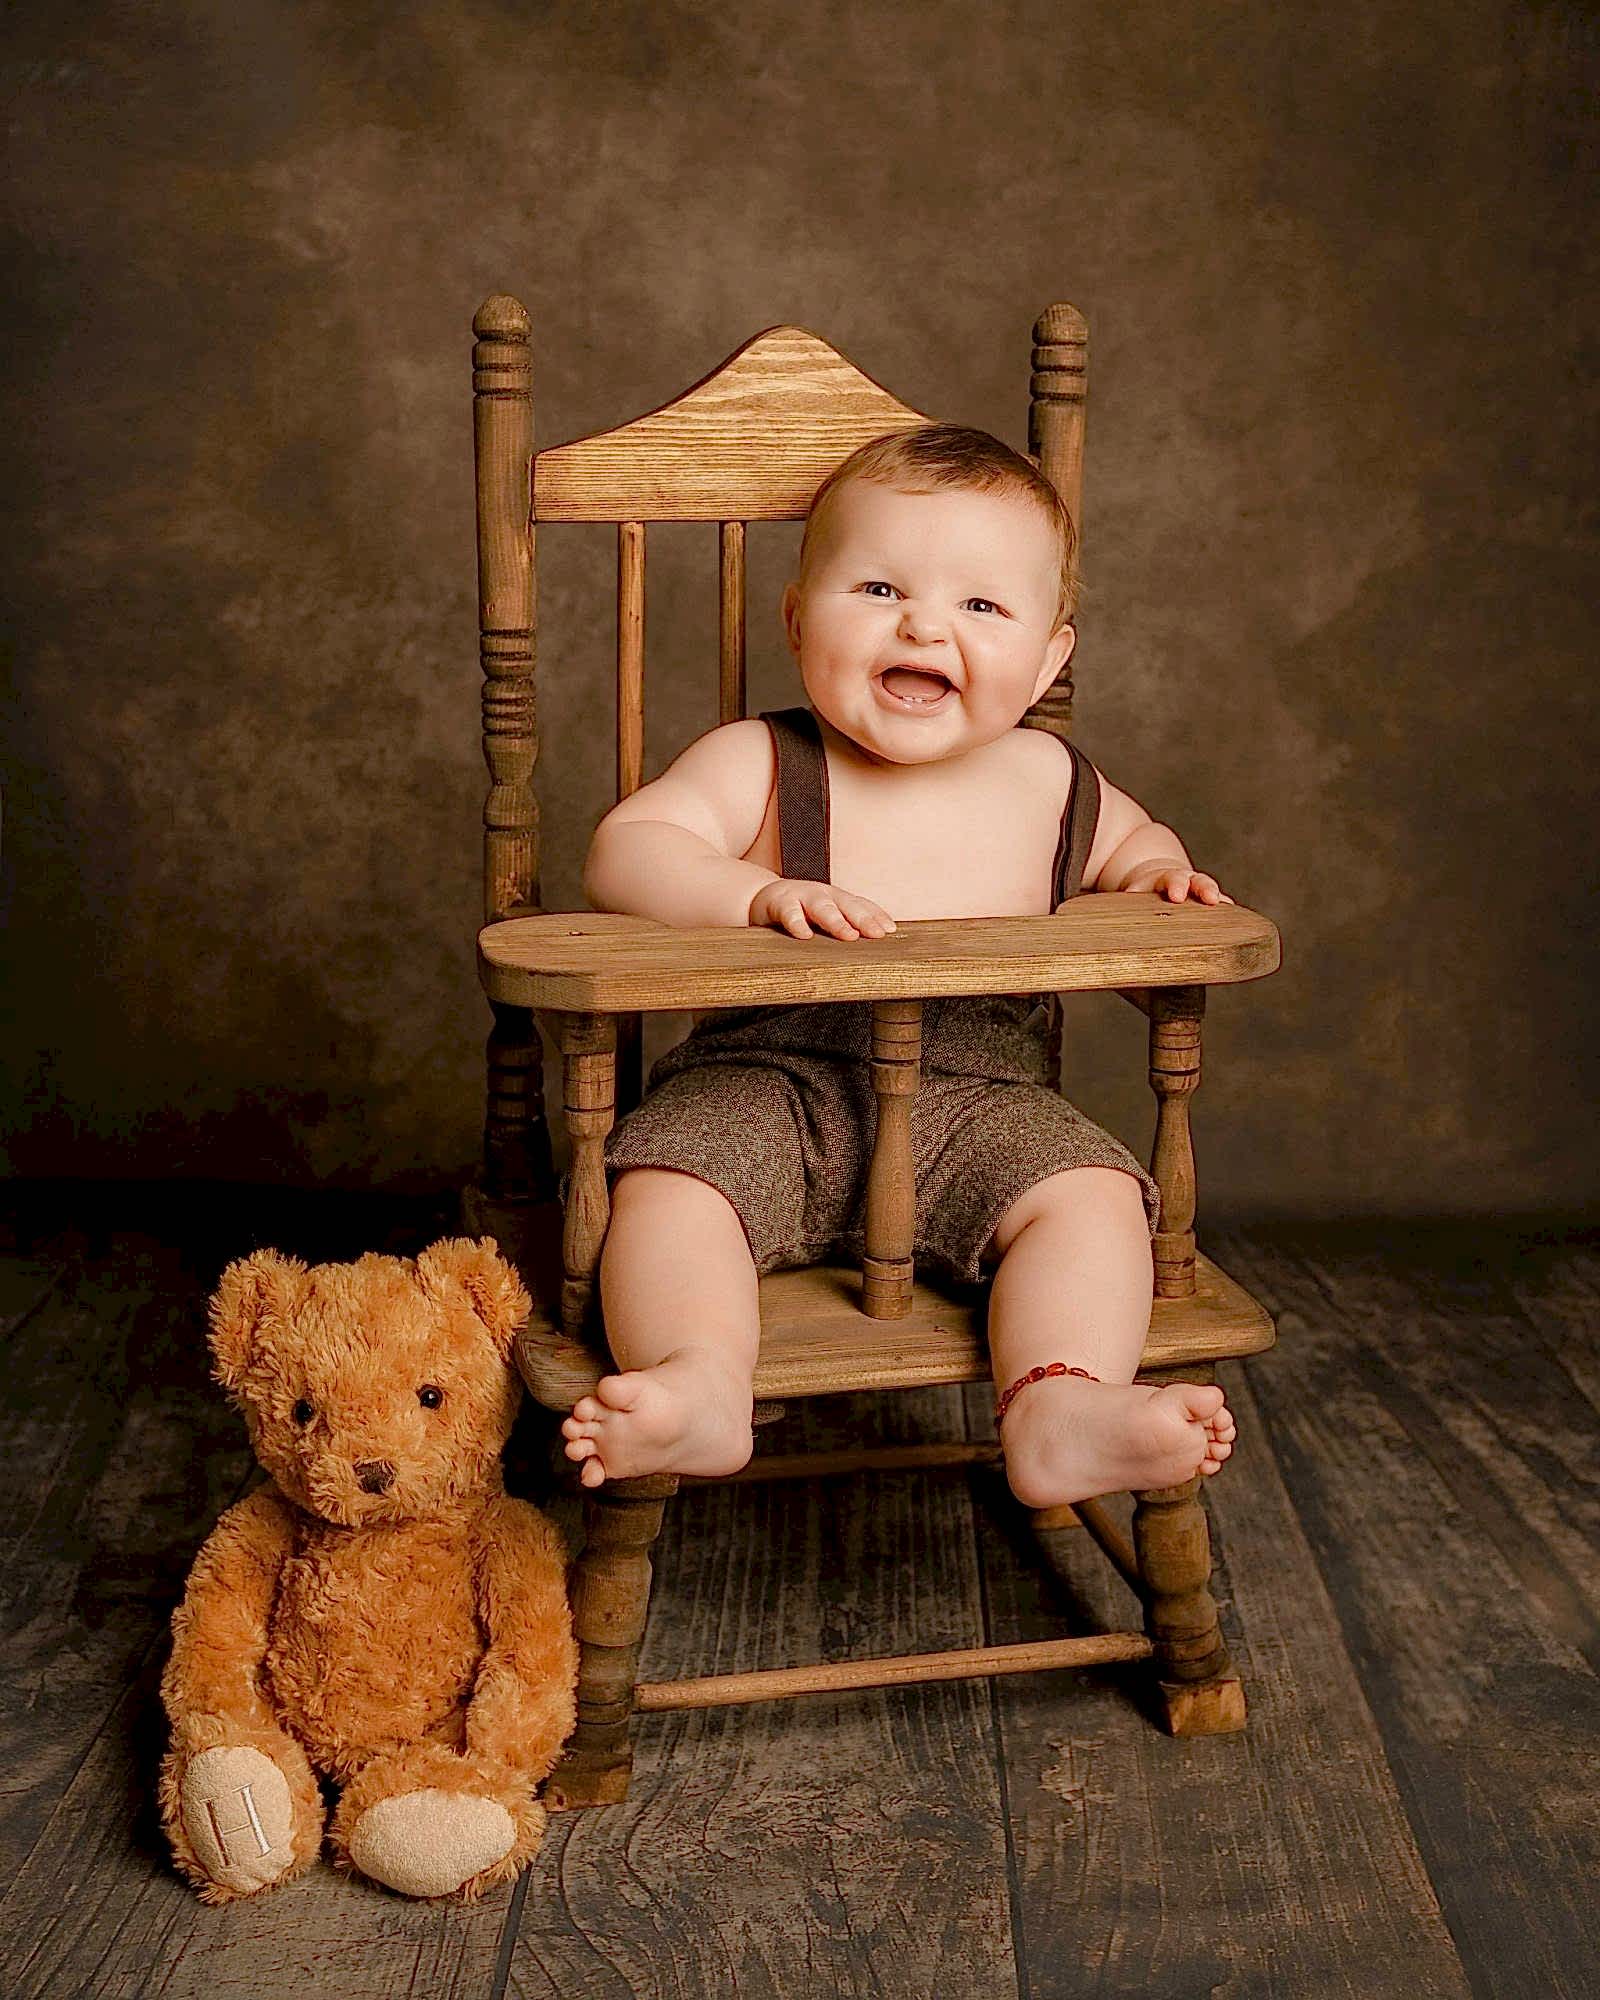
{"points": [[1057, 652], [247, 1290], [493, 1289]]}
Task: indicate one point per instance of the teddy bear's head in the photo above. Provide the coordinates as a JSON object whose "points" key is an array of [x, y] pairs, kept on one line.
{"points": [[374, 1391]]}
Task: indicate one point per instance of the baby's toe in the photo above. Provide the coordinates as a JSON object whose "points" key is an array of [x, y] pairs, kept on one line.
{"points": [[593, 1473], [584, 1410], [620, 1392], [580, 1447]]}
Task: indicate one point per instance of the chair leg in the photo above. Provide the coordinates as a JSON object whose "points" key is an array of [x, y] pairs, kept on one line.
{"points": [[610, 1597], [1200, 1694]]}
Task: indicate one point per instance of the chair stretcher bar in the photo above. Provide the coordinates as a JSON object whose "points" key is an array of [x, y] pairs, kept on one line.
{"points": [[909, 1669]]}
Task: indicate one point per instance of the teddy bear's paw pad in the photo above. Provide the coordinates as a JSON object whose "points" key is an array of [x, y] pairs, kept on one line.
{"points": [[428, 1843], [239, 1816]]}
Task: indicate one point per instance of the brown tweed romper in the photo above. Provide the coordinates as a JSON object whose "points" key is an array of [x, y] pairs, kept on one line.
{"points": [[774, 1107]]}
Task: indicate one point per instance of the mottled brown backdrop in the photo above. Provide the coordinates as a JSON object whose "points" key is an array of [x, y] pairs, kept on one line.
{"points": [[1340, 531]]}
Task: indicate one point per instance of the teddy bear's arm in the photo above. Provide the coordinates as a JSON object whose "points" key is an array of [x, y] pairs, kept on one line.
{"points": [[219, 1631], [523, 1705]]}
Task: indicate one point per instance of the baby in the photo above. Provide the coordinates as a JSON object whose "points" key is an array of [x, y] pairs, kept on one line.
{"points": [[931, 609]]}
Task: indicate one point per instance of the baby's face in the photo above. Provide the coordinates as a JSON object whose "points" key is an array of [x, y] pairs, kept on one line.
{"points": [[925, 624]]}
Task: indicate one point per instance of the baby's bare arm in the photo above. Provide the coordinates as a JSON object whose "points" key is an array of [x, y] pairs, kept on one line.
{"points": [[1132, 851], [671, 850]]}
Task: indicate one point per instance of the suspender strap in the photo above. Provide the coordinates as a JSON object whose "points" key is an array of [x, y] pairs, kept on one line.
{"points": [[803, 806], [802, 794], [1077, 828]]}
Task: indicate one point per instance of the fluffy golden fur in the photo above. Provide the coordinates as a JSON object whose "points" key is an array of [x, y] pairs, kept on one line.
{"points": [[384, 1614]]}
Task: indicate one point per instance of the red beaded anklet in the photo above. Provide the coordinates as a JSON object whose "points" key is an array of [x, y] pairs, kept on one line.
{"points": [[1036, 1375]]}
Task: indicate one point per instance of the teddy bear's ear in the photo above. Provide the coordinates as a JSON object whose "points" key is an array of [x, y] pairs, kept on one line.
{"points": [[246, 1289], [493, 1288]]}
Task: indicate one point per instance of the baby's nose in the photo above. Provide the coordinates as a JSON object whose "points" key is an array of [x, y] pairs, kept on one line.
{"points": [[921, 621]]}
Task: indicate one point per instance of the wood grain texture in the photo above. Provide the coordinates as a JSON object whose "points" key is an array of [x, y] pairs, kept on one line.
{"points": [[502, 416], [115, 1447], [1444, 1473], [731, 622], [118, 1453], [816, 1340], [1092, 1649], [588, 1105], [1057, 391], [752, 441], [1434, 1409], [891, 1203], [516, 1163], [601, 961], [630, 757], [1175, 1017], [630, 658], [1275, 1861], [844, 1844]]}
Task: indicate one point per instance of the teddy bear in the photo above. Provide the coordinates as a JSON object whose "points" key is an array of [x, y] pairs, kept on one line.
{"points": [[383, 1614]]}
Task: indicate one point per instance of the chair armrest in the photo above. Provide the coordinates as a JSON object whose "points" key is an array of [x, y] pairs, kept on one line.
{"points": [[587, 961]]}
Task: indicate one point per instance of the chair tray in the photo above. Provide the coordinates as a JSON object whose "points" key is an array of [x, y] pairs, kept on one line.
{"points": [[587, 961], [816, 1341]]}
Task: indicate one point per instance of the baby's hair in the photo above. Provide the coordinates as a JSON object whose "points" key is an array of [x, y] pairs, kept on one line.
{"points": [[934, 455]]}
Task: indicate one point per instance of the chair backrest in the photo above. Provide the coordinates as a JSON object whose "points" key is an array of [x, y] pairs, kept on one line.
{"points": [[751, 442]]}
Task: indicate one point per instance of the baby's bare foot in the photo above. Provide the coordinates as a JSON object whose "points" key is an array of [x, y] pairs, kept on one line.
{"points": [[1069, 1439], [689, 1413]]}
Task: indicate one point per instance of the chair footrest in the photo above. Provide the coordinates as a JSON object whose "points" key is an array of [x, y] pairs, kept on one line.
{"points": [[816, 1340], [863, 1458], [907, 1669]]}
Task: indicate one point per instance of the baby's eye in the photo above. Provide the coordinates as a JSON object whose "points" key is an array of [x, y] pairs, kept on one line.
{"points": [[878, 588], [984, 604]]}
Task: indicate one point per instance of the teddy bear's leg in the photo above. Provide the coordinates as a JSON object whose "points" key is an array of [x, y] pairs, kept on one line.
{"points": [[237, 1820], [428, 1821]]}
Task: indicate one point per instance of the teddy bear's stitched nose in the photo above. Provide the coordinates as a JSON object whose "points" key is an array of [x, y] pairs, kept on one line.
{"points": [[374, 1475]]}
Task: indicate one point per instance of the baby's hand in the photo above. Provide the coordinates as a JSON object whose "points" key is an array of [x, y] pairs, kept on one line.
{"points": [[1175, 883], [787, 904]]}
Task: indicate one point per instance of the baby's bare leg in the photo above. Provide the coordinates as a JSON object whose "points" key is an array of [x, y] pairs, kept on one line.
{"points": [[1074, 1285], [678, 1293]]}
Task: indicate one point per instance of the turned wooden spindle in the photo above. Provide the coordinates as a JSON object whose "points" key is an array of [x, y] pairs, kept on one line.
{"points": [[886, 1269], [1175, 1016], [1056, 393], [1057, 389], [515, 1108], [517, 1161], [588, 1104], [630, 758], [730, 622], [610, 1599], [1172, 1549]]}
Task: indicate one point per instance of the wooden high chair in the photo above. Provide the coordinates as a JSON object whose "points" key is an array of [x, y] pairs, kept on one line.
{"points": [[751, 443]]}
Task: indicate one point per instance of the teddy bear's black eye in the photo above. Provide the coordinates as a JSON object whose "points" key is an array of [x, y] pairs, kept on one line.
{"points": [[429, 1397], [303, 1412]]}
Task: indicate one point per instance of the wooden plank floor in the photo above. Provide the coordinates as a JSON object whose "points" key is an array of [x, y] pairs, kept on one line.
{"points": [[1409, 1570]]}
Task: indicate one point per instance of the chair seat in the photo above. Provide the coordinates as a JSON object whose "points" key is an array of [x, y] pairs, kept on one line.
{"points": [[815, 1340], [587, 961]]}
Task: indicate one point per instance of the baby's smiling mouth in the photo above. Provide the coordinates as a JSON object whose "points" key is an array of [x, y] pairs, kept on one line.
{"points": [[916, 684]]}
